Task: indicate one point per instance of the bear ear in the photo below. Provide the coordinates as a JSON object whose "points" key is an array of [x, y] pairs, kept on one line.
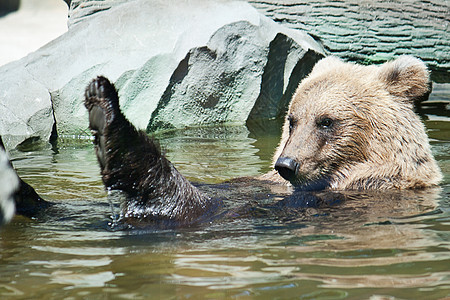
{"points": [[406, 77], [327, 63]]}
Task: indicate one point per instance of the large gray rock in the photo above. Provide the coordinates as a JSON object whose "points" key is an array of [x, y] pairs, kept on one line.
{"points": [[222, 81], [209, 54], [26, 108]]}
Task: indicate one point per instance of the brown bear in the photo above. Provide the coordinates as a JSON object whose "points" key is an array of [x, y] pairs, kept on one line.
{"points": [[353, 127], [348, 127]]}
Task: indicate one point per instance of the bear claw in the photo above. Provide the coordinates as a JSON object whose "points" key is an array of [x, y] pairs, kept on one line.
{"points": [[102, 102], [100, 92]]}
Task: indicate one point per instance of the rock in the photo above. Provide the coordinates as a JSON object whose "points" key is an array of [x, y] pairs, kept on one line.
{"points": [[26, 109], [183, 48], [81, 9], [222, 81], [372, 31]]}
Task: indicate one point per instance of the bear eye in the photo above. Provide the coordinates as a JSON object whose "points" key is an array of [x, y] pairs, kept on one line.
{"points": [[292, 123], [325, 123]]}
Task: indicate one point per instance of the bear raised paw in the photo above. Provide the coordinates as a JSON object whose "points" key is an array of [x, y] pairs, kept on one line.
{"points": [[132, 162], [348, 127]]}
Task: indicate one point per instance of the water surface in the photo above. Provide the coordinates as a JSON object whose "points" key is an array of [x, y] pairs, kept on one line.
{"points": [[393, 245]]}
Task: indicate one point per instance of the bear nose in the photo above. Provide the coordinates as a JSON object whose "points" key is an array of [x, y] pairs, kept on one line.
{"points": [[286, 167]]}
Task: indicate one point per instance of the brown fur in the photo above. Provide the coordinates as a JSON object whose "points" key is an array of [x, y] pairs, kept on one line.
{"points": [[376, 141]]}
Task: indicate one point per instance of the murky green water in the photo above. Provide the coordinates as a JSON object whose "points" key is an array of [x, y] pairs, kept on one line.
{"points": [[356, 250]]}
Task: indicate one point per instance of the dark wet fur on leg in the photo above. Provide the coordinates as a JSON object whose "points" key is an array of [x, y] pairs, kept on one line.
{"points": [[132, 162]]}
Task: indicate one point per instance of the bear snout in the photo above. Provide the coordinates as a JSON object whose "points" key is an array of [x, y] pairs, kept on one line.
{"points": [[287, 168]]}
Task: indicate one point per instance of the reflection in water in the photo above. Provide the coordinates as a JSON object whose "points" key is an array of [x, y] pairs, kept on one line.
{"points": [[214, 154], [81, 280], [315, 246], [84, 251], [236, 273], [380, 281], [104, 261], [364, 233]]}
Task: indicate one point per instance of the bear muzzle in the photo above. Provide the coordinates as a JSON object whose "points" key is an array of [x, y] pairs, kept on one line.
{"points": [[287, 168]]}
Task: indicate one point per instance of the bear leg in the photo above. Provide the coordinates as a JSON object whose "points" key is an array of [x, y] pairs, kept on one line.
{"points": [[132, 162]]}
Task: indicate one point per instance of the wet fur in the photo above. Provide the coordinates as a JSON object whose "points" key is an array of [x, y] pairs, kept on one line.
{"points": [[132, 162]]}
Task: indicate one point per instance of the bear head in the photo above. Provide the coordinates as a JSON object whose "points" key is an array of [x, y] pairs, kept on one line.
{"points": [[351, 126]]}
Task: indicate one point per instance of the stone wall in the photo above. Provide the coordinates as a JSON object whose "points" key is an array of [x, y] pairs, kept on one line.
{"points": [[372, 31]]}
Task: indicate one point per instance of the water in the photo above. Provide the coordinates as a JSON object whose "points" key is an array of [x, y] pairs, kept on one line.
{"points": [[370, 246]]}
